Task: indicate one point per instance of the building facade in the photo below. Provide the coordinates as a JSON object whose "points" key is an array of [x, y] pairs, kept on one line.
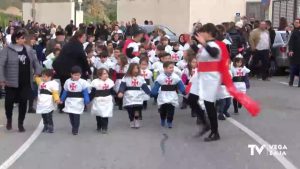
{"points": [[179, 15]]}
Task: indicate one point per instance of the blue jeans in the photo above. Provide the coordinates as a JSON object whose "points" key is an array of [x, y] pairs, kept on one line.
{"points": [[223, 105]]}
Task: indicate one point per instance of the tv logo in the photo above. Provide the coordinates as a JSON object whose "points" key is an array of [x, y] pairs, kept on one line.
{"points": [[269, 149]]}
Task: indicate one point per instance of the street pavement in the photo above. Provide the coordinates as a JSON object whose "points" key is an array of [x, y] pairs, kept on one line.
{"points": [[154, 147]]}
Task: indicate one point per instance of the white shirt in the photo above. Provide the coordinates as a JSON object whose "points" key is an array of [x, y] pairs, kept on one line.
{"points": [[264, 42]]}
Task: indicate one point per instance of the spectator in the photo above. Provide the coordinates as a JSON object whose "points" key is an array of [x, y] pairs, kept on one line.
{"points": [[236, 38], [260, 45], [2, 41], [18, 64], [282, 24], [294, 52], [69, 29], [59, 39]]}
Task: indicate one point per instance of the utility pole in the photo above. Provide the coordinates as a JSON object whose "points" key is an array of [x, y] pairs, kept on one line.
{"points": [[33, 10]]}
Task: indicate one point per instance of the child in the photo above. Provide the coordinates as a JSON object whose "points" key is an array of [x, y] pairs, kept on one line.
{"points": [[116, 55], [104, 61], [132, 89], [165, 43], [196, 108], [102, 107], [158, 66], [119, 71], [76, 96], [167, 99], [47, 97], [51, 57], [183, 63], [239, 72], [187, 74], [147, 75], [176, 54]]}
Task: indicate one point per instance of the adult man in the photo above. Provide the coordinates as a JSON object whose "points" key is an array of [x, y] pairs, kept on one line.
{"points": [[294, 52], [53, 43], [260, 46], [69, 29]]}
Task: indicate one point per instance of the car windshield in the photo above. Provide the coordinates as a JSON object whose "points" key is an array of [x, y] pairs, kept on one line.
{"points": [[168, 32], [284, 37]]}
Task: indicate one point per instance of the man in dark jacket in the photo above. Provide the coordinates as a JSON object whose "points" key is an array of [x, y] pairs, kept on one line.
{"points": [[294, 52], [237, 40]]}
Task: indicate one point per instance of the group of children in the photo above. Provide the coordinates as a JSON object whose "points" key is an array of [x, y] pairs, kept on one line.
{"points": [[128, 84]]}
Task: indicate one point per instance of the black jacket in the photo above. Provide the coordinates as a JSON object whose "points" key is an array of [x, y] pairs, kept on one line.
{"points": [[294, 46], [72, 54], [237, 41]]}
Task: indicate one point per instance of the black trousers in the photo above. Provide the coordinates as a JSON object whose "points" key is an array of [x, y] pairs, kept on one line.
{"points": [[75, 120], [47, 119], [196, 108], [263, 56], [167, 112], [294, 70], [212, 115], [102, 122], [134, 112], [236, 105], [14, 95]]}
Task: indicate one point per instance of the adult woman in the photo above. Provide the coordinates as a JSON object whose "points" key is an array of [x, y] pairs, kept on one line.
{"points": [[18, 65], [72, 54]]}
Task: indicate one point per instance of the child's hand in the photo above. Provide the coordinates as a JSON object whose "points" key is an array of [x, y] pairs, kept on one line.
{"points": [[120, 95], [58, 102]]}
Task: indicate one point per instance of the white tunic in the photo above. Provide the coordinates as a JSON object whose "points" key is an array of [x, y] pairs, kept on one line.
{"points": [[168, 96], [147, 75], [209, 82], [158, 67], [108, 64], [222, 92], [182, 64], [102, 105], [75, 105], [176, 56], [135, 47], [45, 102], [240, 72], [185, 47], [168, 49], [118, 70], [133, 97]]}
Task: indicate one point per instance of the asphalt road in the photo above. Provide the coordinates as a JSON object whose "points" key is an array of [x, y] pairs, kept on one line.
{"points": [[154, 147]]}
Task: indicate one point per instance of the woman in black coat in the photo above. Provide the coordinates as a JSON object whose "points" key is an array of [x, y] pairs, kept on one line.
{"points": [[294, 53], [72, 54]]}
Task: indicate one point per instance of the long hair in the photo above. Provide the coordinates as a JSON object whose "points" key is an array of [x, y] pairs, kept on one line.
{"points": [[130, 70], [124, 61]]}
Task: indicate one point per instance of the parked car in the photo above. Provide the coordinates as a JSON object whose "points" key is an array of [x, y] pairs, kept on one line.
{"points": [[151, 28], [280, 51]]}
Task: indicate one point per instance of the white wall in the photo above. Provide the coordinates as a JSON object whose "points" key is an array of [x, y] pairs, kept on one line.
{"points": [[171, 13], [58, 13], [216, 11]]}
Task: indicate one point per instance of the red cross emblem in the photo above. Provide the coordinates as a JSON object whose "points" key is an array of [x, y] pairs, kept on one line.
{"points": [[73, 86], [175, 57], [43, 86], [134, 82], [105, 86], [239, 72], [169, 81], [144, 74]]}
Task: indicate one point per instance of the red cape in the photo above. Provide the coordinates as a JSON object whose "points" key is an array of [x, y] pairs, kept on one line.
{"points": [[252, 106]]}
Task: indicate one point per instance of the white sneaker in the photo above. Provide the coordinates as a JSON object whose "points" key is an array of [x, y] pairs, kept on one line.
{"points": [[132, 124], [137, 124]]}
